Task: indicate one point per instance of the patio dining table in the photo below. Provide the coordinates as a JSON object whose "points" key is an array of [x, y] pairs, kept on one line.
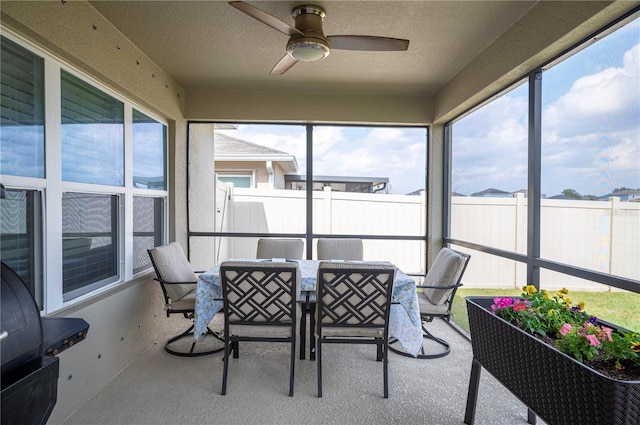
{"points": [[404, 317]]}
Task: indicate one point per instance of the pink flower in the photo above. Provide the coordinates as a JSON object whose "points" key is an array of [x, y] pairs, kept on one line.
{"points": [[500, 303], [565, 329], [520, 307], [606, 333], [593, 340]]}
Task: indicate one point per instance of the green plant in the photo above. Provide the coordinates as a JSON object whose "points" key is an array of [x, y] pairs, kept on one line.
{"points": [[617, 307], [573, 331]]}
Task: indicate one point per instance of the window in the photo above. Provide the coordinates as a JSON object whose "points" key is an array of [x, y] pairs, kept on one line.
{"points": [[20, 236], [96, 135], [238, 181], [22, 111], [591, 156], [92, 134], [588, 180], [489, 173], [148, 229], [149, 152], [89, 242], [367, 182]]}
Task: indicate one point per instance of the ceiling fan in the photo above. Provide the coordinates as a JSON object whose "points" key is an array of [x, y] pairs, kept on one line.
{"points": [[307, 42]]}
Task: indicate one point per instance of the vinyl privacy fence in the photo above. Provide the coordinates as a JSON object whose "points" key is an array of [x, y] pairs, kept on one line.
{"points": [[596, 235]]}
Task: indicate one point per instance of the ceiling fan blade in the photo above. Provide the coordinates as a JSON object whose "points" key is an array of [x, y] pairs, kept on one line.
{"points": [[367, 42], [283, 65], [265, 18]]}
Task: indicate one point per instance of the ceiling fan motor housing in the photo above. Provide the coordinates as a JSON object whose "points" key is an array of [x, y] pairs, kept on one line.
{"points": [[313, 45]]}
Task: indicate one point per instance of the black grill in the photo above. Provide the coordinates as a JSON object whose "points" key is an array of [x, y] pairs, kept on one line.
{"points": [[29, 345]]}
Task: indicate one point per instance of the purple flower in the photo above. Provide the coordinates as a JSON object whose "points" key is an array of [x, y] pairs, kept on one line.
{"points": [[593, 320]]}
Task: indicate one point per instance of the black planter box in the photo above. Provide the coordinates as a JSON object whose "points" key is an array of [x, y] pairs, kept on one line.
{"points": [[554, 386]]}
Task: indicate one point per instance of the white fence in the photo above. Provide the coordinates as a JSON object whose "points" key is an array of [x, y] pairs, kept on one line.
{"points": [[595, 235]]}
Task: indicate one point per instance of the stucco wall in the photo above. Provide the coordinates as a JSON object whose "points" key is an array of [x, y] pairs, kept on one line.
{"points": [[130, 318]]}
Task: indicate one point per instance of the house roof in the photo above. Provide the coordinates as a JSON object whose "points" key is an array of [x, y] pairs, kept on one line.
{"points": [[491, 191], [228, 148], [227, 145]]}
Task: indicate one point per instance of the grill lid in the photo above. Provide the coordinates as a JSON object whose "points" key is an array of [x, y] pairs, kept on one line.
{"points": [[20, 319]]}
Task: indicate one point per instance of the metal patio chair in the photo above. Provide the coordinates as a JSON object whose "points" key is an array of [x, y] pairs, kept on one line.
{"points": [[353, 304], [340, 249], [438, 292], [178, 282], [291, 249], [260, 304]]}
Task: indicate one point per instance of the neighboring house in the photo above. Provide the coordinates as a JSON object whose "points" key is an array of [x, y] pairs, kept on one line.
{"points": [[493, 193], [338, 183], [626, 195], [247, 164]]}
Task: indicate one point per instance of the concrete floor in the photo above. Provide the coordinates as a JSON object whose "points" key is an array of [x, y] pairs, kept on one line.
{"points": [[158, 388]]}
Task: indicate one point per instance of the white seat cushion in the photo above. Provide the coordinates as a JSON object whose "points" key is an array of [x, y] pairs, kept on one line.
{"points": [[340, 249], [445, 271], [173, 266]]}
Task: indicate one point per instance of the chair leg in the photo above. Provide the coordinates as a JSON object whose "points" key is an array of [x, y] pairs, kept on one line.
{"points": [[312, 331], [189, 334], [426, 335], [303, 330], [225, 368], [293, 366], [319, 365], [385, 367]]}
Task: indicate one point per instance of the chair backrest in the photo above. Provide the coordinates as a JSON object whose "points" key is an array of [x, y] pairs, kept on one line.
{"points": [[353, 295], [173, 269], [445, 272], [340, 249], [257, 293], [280, 248]]}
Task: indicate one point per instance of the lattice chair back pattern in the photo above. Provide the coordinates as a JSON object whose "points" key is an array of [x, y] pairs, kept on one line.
{"points": [[353, 308], [260, 300]]}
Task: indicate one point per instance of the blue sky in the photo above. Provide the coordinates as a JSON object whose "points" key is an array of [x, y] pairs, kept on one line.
{"points": [[591, 133], [591, 126]]}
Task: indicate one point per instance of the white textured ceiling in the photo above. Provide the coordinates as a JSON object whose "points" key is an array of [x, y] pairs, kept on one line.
{"points": [[211, 45]]}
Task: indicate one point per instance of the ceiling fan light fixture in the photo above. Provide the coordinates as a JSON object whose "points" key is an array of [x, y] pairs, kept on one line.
{"points": [[308, 49]]}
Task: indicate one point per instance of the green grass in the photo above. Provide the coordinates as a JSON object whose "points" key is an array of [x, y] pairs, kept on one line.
{"points": [[619, 308]]}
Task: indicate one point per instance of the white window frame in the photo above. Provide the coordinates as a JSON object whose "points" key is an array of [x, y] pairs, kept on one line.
{"points": [[52, 186]]}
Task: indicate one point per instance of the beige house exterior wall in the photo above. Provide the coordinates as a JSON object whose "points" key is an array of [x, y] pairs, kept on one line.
{"points": [[257, 169]]}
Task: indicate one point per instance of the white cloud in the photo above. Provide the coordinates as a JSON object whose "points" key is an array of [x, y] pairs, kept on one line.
{"points": [[591, 133]]}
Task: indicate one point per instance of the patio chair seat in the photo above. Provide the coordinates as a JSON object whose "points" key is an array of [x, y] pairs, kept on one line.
{"points": [[438, 292], [178, 282]]}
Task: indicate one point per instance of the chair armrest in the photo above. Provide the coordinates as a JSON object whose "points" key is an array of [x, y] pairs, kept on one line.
{"points": [[439, 287], [164, 282]]}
